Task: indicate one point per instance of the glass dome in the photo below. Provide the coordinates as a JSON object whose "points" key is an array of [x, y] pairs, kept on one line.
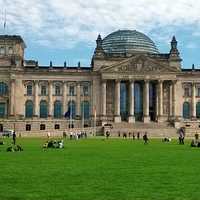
{"points": [[128, 41]]}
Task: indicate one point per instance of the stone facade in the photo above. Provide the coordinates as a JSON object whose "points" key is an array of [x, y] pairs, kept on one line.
{"points": [[96, 91]]}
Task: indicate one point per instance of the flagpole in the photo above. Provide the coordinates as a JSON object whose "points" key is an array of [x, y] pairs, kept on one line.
{"points": [[5, 18]]}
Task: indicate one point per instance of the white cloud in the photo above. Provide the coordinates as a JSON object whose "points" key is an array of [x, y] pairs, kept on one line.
{"points": [[64, 23]]}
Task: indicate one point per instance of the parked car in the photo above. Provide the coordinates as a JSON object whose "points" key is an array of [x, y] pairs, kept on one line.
{"points": [[7, 133], [108, 125]]}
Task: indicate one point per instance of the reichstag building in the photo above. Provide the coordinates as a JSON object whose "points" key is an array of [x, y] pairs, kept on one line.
{"points": [[129, 82]]}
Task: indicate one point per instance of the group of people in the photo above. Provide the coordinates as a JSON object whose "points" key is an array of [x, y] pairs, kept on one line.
{"points": [[77, 135], [57, 144], [130, 135]]}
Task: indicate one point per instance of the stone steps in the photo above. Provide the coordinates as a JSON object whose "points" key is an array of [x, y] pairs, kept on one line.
{"points": [[153, 129]]}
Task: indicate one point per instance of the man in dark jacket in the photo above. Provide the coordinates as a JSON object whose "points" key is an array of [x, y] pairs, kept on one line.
{"points": [[14, 137]]}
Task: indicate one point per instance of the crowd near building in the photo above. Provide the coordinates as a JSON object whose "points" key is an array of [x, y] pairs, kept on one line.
{"points": [[129, 81]]}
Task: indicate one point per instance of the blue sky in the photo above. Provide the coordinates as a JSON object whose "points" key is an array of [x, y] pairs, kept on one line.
{"points": [[60, 30]]}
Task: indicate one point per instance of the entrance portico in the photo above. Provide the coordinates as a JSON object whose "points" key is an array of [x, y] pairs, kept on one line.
{"points": [[135, 100]]}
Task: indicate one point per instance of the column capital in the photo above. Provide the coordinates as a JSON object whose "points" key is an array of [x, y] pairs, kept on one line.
{"points": [[131, 81], [36, 81], [50, 82], [12, 80], [160, 81], [146, 80], [78, 83], [173, 81], [118, 80], [193, 83]]}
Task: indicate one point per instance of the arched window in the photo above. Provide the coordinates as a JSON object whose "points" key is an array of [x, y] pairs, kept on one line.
{"points": [[3, 89], [85, 109], [29, 109], [198, 109], [186, 110], [72, 109], [29, 89], [2, 110], [57, 109], [43, 109]]}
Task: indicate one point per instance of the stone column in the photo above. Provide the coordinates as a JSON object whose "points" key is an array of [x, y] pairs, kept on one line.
{"points": [[36, 100], [174, 113], [78, 99], [146, 117], [193, 101], [131, 118], [103, 95], [160, 101], [170, 100], [50, 98], [65, 108], [117, 101], [12, 97]]}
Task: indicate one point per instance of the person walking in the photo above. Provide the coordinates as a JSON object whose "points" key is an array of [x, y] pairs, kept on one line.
{"points": [[14, 137], [145, 138], [138, 135]]}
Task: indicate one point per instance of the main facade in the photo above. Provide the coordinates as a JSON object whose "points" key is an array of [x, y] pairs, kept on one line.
{"points": [[128, 82]]}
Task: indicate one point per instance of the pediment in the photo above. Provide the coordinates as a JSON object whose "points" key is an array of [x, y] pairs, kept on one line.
{"points": [[139, 64]]}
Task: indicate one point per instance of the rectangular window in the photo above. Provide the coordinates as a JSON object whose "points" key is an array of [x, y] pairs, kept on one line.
{"points": [[198, 92], [43, 90], [85, 91], [186, 92], [28, 127], [2, 110], [42, 127], [57, 90], [57, 126], [71, 90], [29, 90]]}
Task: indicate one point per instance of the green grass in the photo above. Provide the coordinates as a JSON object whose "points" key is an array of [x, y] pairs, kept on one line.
{"points": [[97, 169]]}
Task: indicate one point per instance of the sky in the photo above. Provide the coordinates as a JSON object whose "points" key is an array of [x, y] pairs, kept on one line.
{"points": [[66, 30]]}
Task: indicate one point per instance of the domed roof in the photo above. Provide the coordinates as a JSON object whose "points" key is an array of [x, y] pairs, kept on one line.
{"points": [[128, 41]]}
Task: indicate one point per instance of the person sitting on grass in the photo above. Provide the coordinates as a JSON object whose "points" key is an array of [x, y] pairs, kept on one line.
{"points": [[145, 138], [195, 142], [166, 139]]}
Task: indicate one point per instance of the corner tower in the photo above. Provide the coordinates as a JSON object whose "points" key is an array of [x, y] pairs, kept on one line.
{"points": [[11, 50]]}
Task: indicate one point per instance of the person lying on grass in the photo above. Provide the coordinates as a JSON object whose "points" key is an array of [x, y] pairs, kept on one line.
{"points": [[14, 148], [54, 144]]}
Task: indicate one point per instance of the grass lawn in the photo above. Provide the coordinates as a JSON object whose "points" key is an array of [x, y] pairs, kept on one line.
{"points": [[96, 169]]}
